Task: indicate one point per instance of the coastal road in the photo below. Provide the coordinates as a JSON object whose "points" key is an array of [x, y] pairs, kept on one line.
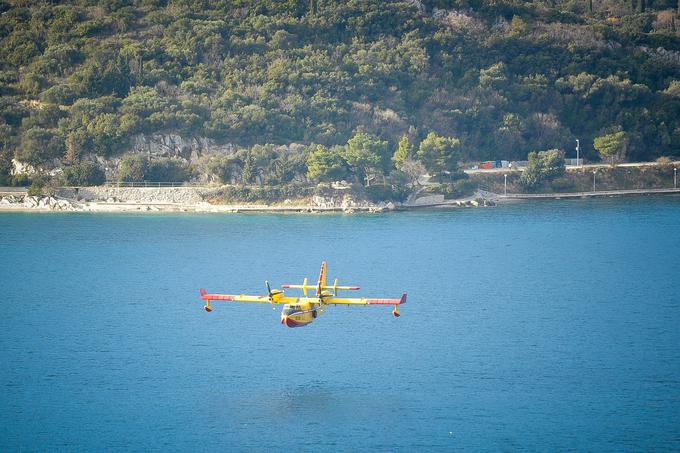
{"points": [[13, 191], [598, 193], [575, 167]]}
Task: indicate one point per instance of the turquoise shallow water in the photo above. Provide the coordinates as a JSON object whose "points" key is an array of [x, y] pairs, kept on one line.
{"points": [[545, 326]]}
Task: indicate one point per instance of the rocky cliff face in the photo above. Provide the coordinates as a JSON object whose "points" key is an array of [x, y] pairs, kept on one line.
{"points": [[190, 148], [174, 145]]}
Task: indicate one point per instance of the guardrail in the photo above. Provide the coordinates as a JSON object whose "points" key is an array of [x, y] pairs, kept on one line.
{"points": [[153, 184]]}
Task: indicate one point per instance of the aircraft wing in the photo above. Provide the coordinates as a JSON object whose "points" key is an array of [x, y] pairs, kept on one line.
{"points": [[245, 298], [364, 301]]}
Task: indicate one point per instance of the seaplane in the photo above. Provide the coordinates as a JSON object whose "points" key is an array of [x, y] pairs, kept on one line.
{"points": [[301, 311]]}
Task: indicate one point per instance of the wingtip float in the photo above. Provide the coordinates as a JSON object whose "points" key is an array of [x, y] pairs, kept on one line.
{"points": [[300, 311]]}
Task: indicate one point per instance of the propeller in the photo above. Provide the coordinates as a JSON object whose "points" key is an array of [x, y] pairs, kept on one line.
{"points": [[270, 294]]}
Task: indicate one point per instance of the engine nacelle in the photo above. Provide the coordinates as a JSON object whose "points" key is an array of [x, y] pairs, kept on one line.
{"points": [[276, 295]]}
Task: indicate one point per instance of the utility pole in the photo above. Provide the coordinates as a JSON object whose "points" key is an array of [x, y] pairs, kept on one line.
{"points": [[578, 148], [675, 178], [594, 172], [505, 184]]}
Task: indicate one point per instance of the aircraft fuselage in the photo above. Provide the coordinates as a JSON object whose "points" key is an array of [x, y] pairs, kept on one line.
{"points": [[302, 312]]}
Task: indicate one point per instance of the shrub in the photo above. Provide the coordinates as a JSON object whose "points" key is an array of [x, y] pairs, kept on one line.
{"points": [[84, 174], [223, 168], [377, 193], [133, 168], [35, 189], [542, 166], [563, 184], [267, 194], [20, 180], [463, 188], [42, 185], [167, 170]]}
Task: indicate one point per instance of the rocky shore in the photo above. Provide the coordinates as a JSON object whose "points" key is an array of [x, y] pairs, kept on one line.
{"points": [[187, 199], [40, 203]]}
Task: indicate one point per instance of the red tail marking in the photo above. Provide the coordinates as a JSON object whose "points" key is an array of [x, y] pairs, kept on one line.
{"points": [[206, 296]]}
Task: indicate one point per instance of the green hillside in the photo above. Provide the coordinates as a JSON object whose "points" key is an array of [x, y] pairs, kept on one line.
{"points": [[504, 77]]}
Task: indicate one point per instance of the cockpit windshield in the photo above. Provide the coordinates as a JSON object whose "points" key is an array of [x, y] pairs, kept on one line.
{"points": [[290, 309]]}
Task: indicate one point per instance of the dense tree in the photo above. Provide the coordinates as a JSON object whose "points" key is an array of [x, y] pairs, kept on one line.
{"points": [[248, 171], [542, 166], [439, 154], [405, 150], [413, 170], [138, 168], [367, 155], [77, 143], [326, 164], [133, 168], [611, 146], [5, 165], [503, 77], [84, 174], [167, 170], [39, 145]]}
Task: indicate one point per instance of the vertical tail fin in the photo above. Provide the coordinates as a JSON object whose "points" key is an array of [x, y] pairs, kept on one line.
{"points": [[322, 279]]}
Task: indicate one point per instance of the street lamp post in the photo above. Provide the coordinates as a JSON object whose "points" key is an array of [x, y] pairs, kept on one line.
{"points": [[594, 172], [578, 148], [505, 184], [675, 178]]}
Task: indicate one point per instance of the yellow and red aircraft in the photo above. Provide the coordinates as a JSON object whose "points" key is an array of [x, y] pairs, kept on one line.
{"points": [[300, 311]]}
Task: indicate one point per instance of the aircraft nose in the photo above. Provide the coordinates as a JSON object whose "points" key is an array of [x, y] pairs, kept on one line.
{"points": [[284, 319]]}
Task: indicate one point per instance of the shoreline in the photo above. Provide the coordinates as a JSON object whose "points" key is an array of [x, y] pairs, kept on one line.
{"points": [[207, 208], [20, 202]]}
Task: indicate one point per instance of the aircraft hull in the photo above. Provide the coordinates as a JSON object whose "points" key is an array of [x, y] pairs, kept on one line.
{"points": [[309, 312], [290, 322]]}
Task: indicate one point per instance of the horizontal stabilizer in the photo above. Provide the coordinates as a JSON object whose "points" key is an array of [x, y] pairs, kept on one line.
{"points": [[344, 288]]}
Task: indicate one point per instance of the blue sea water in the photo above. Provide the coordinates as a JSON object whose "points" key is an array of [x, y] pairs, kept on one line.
{"points": [[544, 326]]}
